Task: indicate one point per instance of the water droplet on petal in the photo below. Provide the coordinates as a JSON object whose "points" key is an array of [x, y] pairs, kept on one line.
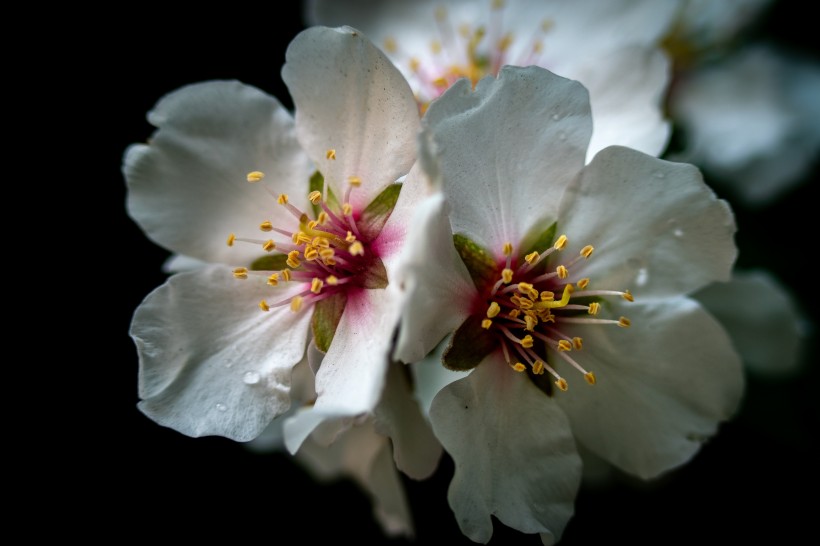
{"points": [[221, 407], [556, 117], [642, 277], [658, 174], [251, 378], [678, 232]]}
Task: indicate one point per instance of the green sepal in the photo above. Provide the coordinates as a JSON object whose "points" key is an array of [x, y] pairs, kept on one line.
{"points": [[270, 262], [375, 215], [326, 316], [317, 183], [538, 241], [374, 275], [481, 265], [469, 345]]}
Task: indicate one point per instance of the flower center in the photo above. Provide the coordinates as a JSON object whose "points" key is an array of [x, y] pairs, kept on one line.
{"points": [[326, 251], [467, 50], [530, 305]]}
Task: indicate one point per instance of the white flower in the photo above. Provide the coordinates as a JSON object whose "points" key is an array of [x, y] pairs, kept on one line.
{"points": [[533, 259], [217, 344], [751, 119], [610, 47]]}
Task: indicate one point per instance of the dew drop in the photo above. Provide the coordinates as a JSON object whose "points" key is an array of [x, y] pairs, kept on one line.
{"points": [[677, 232], [556, 117], [221, 407], [642, 277], [251, 378], [658, 174]]}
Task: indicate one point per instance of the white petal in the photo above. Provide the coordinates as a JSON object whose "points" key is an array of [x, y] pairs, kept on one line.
{"points": [[437, 288], [707, 24], [415, 449], [663, 385], [188, 189], [430, 376], [657, 229], [352, 376], [212, 363], [506, 151], [513, 450], [179, 263], [350, 98], [762, 319], [364, 456], [626, 91]]}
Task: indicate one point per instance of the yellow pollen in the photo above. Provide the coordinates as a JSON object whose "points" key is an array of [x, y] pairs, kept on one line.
{"points": [[286, 275], [326, 253], [547, 24], [533, 294], [350, 237], [526, 342], [331, 154], [231, 239], [493, 310], [514, 313], [390, 45], [282, 199], [532, 322], [266, 226], [546, 295], [435, 47], [311, 254], [321, 242], [354, 181], [627, 295], [296, 304], [331, 280], [525, 303], [524, 287], [578, 343], [538, 368], [440, 82], [315, 197], [356, 249], [568, 289], [268, 245], [562, 271], [347, 209], [316, 285], [504, 43], [583, 283], [303, 238], [312, 224], [518, 367], [506, 275], [594, 307], [562, 384], [240, 273], [414, 64], [624, 322], [531, 257], [273, 280], [508, 249], [586, 252], [564, 345], [538, 47], [560, 243], [255, 176], [293, 259], [263, 305], [590, 377], [486, 323]]}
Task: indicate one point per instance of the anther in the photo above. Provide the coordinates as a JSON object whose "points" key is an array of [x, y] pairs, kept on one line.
{"points": [[583, 283], [255, 176], [354, 181], [562, 384], [240, 273], [624, 322], [590, 377], [286, 275], [578, 343], [282, 199], [315, 197], [564, 345], [538, 368], [493, 310], [356, 249], [266, 226], [518, 367], [508, 249], [562, 272], [628, 296], [268, 245], [331, 154], [293, 259], [594, 307], [560, 243], [586, 252], [507, 275], [486, 323], [316, 285], [332, 280], [273, 279], [263, 305], [296, 304], [231, 239], [527, 341], [347, 209]]}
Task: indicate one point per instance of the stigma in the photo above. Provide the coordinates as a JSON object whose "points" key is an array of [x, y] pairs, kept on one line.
{"points": [[533, 307]]}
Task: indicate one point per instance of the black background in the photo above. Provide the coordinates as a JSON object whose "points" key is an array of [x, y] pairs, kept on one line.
{"points": [[148, 482]]}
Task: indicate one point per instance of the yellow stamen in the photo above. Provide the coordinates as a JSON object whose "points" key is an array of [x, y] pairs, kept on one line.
{"points": [[524, 303], [435, 47], [414, 64], [263, 305], [486, 323], [326, 253], [546, 295], [255, 176], [331, 280], [390, 45], [524, 287], [350, 237], [356, 249], [505, 42], [322, 218], [583, 283], [493, 310], [354, 181], [578, 343], [231, 239], [296, 304], [312, 224], [547, 24], [526, 342], [347, 209], [538, 368], [568, 289], [564, 345], [315, 197], [316, 285], [311, 254], [531, 257], [286, 275], [590, 377], [440, 82], [303, 238], [627, 295], [293, 259], [560, 243], [532, 322], [594, 307], [268, 245], [518, 367], [331, 154], [514, 313], [266, 226], [508, 249], [321, 242], [240, 273], [506, 275], [586, 252], [273, 279], [562, 384], [562, 271], [282, 199], [624, 322]]}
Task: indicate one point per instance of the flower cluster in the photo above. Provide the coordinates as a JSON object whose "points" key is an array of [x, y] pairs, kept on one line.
{"points": [[443, 249]]}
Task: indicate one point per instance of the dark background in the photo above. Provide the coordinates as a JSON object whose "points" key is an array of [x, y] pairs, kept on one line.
{"points": [[149, 481]]}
